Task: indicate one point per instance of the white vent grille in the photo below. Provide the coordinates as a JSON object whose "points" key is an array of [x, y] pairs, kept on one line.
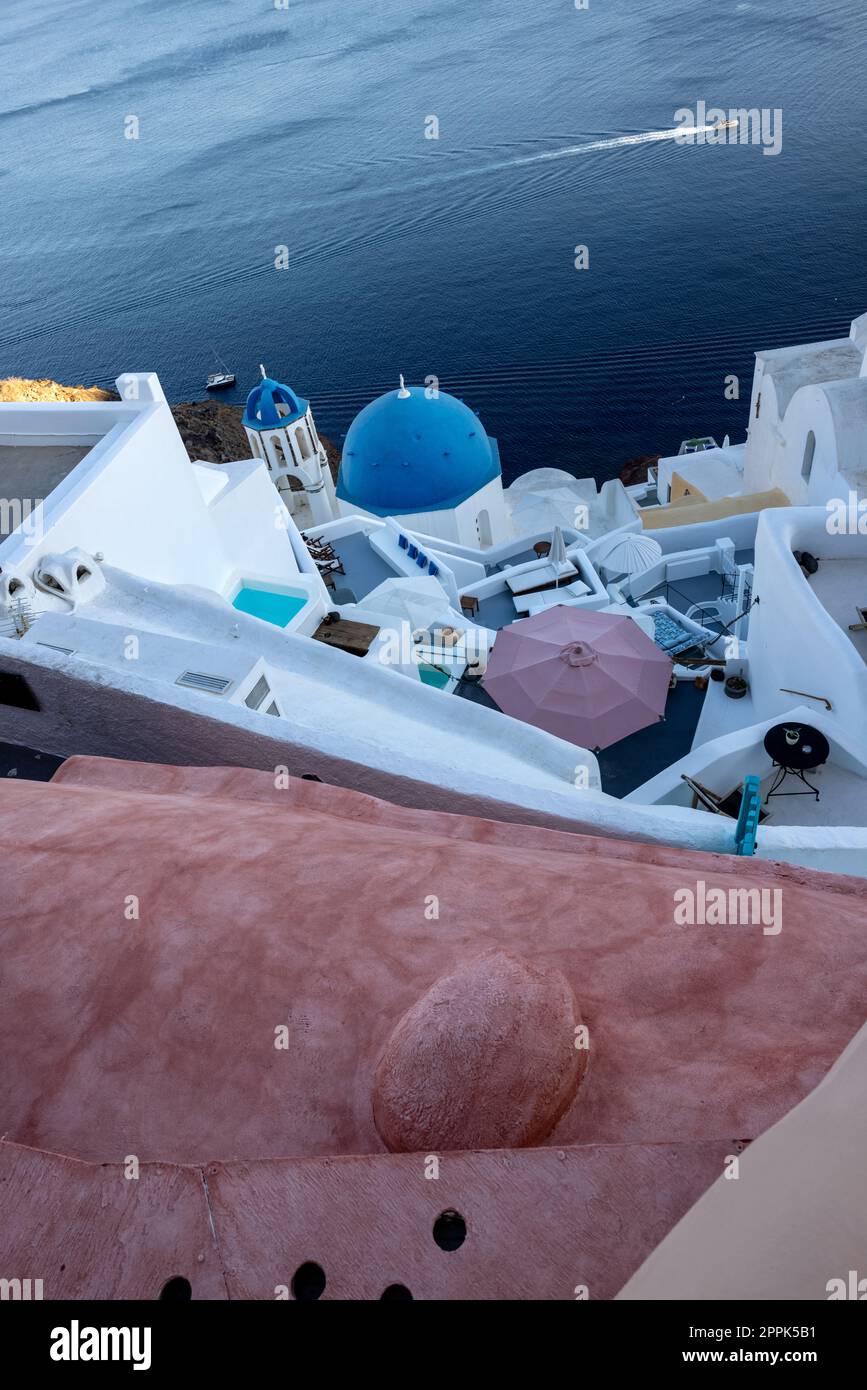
{"points": [[197, 680]]}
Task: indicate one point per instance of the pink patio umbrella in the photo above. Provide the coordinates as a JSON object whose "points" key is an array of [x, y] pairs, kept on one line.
{"points": [[591, 678]]}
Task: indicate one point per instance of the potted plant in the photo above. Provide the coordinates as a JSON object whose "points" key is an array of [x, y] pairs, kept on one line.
{"points": [[736, 687]]}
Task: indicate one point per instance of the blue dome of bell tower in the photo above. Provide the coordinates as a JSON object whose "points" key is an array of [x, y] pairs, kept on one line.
{"points": [[271, 405]]}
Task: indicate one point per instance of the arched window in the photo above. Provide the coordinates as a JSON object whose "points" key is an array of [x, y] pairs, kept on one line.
{"points": [[280, 459], [302, 439], [809, 451]]}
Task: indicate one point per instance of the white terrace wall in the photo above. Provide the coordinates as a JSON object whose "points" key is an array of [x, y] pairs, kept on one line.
{"points": [[740, 529], [134, 498], [793, 641], [254, 529], [80, 713]]}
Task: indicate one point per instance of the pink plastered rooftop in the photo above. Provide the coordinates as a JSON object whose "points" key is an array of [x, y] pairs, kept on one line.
{"points": [[284, 1001]]}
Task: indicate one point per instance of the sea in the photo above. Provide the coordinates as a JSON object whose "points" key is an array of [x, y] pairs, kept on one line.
{"points": [[485, 194]]}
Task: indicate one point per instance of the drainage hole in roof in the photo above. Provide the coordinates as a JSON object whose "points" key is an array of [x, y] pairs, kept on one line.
{"points": [[177, 1290], [450, 1230], [308, 1283], [395, 1291]]}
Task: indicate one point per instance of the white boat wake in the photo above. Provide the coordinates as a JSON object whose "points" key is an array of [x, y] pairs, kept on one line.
{"points": [[614, 143]]}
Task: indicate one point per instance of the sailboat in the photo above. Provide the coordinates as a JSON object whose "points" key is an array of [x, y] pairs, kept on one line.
{"points": [[218, 380]]}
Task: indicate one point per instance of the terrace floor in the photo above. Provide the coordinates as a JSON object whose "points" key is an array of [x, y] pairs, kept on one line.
{"points": [[842, 799], [634, 760], [521, 557], [841, 588], [496, 611], [365, 570], [30, 472]]}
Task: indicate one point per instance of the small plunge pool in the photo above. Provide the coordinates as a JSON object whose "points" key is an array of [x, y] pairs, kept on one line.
{"points": [[276, 606]]}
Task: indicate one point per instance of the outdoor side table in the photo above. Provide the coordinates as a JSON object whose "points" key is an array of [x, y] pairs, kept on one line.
{"points": [[795, 749]]}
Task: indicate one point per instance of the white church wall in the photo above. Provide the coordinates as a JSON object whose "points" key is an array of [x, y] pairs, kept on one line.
{"points": [[456, 525]]}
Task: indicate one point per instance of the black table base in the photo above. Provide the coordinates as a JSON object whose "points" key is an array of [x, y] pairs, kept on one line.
{"points": [[784, 772]]}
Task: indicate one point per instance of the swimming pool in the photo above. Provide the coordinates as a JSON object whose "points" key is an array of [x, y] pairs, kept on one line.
{"points": [[271, 605], [431, 675]]}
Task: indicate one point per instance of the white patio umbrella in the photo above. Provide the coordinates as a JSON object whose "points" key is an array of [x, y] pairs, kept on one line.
{"points": [[418, 602], [630, 552]]}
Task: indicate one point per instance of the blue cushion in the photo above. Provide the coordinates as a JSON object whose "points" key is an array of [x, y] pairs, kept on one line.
{"points": [[403, 542], [421, 561]]}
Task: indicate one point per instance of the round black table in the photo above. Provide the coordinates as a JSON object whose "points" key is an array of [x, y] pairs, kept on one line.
{"points": [[795, 749]]}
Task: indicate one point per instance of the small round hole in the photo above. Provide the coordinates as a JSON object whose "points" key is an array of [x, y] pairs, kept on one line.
{"points": [[450, 1230], [396, 1291], [308, 1283], [177, 1290]]}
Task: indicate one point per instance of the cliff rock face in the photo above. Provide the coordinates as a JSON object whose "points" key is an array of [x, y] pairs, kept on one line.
{"points": [[18, 388], [635, 470], [211, 430]]}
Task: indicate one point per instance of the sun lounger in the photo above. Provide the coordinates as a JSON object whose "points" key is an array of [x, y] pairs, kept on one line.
{"points": [[541, 577], [549, 598]]}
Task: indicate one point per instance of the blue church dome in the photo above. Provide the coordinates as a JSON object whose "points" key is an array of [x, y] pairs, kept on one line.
{"points": [[262, 411], [408, 452]]}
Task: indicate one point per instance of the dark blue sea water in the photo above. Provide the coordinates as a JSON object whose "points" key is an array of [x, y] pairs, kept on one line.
{"points": [[262, 126]]}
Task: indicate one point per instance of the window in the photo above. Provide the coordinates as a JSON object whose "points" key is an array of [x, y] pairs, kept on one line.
{"points": [[260, 692], [809, 451], [280, 460]]}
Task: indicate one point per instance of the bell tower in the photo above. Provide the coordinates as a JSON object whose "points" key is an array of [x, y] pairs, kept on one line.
{"points": [[281, 431]]}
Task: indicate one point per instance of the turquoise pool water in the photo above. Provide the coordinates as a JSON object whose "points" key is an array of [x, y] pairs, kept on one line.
{"points": [[269, 605], [429, 675]]}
